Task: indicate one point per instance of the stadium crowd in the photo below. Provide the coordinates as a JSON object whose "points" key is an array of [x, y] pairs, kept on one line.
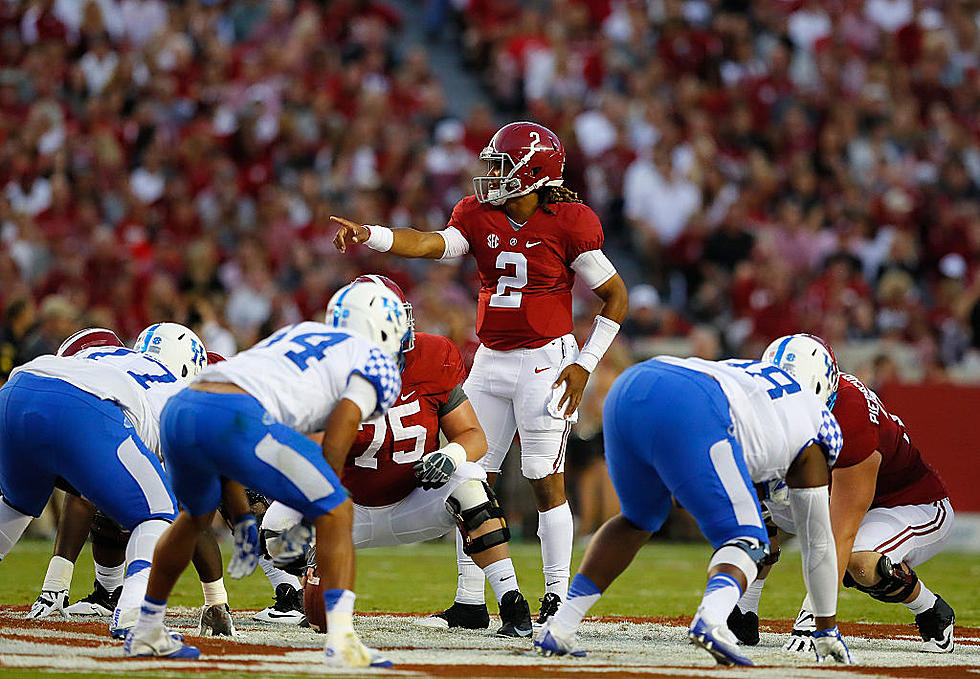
{"points": [[760, 168]]}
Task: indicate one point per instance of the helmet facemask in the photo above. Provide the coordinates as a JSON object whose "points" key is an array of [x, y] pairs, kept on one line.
{"points": [[499, 184]]}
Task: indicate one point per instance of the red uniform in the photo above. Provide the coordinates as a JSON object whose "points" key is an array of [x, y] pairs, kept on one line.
{"points": [[525, 274], [378, 470], [904, 478]]}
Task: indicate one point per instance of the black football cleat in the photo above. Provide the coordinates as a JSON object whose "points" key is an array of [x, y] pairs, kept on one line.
{"points": [[515, 616], [287, 609], [465, 616], [549, 606], [100, 602], [745, 626], [936, 627]]}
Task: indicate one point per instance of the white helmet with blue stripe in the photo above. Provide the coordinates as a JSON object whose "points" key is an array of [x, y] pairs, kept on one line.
{"points": [[373, 311], [176, 347], [810, 361]]}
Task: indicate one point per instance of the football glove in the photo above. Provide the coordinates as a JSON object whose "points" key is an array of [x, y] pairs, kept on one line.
{"points": [[801, 638], [828, 643], [50, 602], [290, 545], [245, 553], [436, 468]]}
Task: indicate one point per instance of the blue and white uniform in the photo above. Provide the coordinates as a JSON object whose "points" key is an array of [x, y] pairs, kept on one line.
{"points": [[91, 419], [704, 432], [294, 378]]}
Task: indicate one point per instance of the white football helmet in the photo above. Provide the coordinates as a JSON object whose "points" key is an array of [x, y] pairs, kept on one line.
{"points": [[176, 347], [809, 360], [373, 311]]}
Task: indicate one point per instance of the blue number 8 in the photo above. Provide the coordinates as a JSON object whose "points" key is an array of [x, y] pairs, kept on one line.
{"points": [[313, 351]]}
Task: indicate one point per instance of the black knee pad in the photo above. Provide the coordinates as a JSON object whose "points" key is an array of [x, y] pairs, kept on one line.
{"points": [[895, 586], [475, 516], [107, 533]]}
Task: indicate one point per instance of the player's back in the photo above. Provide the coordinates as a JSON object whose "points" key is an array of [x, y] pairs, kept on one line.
{"points": [[138, 383], [299, 372], [774, 417]]}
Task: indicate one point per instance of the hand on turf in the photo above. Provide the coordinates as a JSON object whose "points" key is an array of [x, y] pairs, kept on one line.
{"points": [[350, 233], [245, 553], [50, 602], [829, 644], [291, 544], [574, 378]]}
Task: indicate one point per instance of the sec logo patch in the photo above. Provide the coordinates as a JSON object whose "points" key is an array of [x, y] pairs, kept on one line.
{"points": [[492, 240]]}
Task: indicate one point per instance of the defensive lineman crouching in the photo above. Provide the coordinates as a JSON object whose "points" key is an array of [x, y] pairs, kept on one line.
{"points": [[407, 489]]}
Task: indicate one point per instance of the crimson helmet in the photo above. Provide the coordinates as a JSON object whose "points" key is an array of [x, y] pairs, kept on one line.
{"points": [[521, 157], [215, 357], [89, 337], [394, 287]]}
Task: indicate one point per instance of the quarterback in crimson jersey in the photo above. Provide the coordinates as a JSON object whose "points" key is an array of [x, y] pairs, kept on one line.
{"points": [[530, 237], [407, 489], [889, 508]]}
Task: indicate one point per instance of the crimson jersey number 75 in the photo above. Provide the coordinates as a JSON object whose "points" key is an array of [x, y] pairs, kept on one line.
{"points": [[399, 431]]}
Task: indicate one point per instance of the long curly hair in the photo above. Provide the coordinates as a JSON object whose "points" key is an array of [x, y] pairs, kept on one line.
{"points": [[549, 195]]}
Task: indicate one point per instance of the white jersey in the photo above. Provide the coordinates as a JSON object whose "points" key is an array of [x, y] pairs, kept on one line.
{"points": [[300, 372], [775, 418], [139, 384]]}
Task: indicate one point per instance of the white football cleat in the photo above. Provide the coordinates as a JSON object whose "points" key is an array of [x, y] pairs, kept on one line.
{"points": [[158, 642], [50, 603], [717, 640], [100, 603], [550, 640], [344, 649], [122, 621]]}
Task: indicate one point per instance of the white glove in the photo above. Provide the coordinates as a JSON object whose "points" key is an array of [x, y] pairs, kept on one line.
{"points": [[436, 468], [245, 553], [48, 603], [828, 643], [801, 638], [291, 544]]}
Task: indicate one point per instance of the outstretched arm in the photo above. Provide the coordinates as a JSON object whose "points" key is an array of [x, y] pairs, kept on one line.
{"points": [[404, 242]]}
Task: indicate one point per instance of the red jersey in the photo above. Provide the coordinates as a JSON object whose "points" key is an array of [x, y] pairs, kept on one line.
{"points": [[904, 478], [525, 273], [378, 470]]}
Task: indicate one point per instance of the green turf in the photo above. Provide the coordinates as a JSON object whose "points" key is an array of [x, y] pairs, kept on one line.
{"points": [[665, 579]]}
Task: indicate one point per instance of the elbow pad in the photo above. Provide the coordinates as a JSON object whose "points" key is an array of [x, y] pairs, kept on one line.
{"points": [[811, 514]]}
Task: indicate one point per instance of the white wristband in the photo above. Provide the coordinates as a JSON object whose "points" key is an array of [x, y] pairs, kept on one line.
{"points": [[602, 335], [456, 452], [380, 238]]}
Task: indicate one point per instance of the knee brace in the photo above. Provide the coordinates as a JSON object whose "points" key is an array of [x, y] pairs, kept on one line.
{"points": [[472, 504], [746, 554], [896, 584], [107, 533]]}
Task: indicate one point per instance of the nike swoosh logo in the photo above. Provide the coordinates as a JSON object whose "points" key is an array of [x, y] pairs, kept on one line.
{"points": [[549, 584], [405, 397], [541, 370], [284, 615], [509, 577], [531, 245]]}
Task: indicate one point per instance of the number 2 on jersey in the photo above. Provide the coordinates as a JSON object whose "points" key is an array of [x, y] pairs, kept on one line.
{"points": [[508, 295]]}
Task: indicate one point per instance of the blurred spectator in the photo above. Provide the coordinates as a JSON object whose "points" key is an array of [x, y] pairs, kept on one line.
{"points": [[57, 319], [18, 322]]}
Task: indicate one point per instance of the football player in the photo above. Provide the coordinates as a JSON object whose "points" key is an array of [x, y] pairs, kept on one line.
{"points": [[530, 237], [704, 432], [245, 419], [79, 517], [406, 488], [89, 421], [889, 508]]}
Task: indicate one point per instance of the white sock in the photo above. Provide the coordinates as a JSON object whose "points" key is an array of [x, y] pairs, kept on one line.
{"points": [[110, 577], [58, 576], [277, 576], [582, 595], [340, 609], [214, 592], [470, 588], [139, 553], [151, 614], [12, 526], [555, 530], [720, 596], [501, 576], [749, 603], [923, 602]]}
